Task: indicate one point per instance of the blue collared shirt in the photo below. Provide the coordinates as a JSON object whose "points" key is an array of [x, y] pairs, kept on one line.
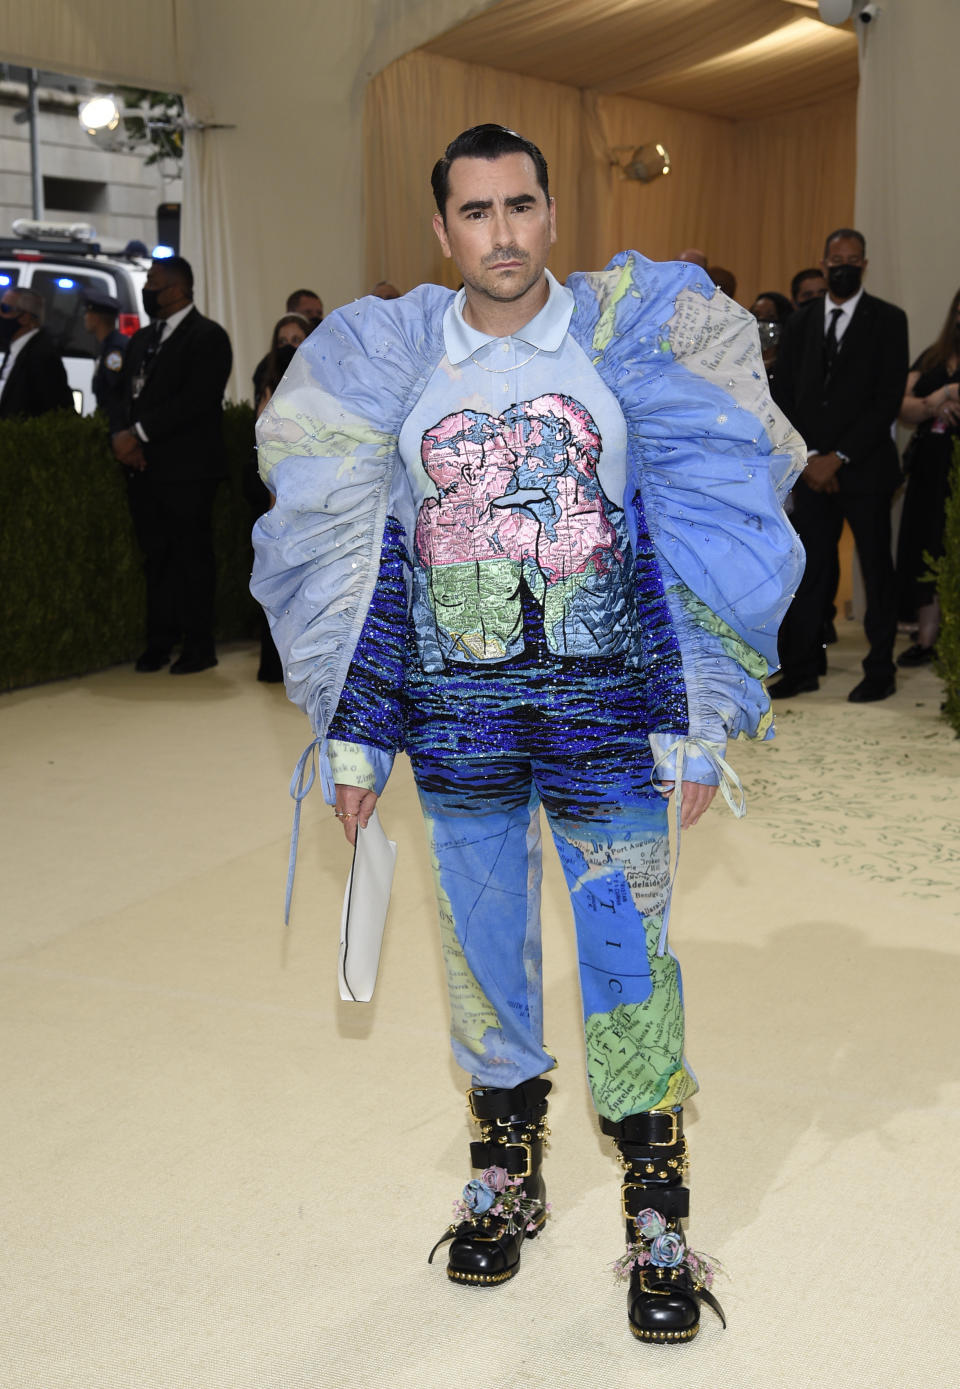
{"points": [[546, 330]]}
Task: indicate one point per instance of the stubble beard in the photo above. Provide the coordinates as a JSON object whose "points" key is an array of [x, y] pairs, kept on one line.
{"points": [[506, 292]]}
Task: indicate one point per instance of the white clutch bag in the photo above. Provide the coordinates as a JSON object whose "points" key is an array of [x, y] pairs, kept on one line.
{"points": [[365, 905]]}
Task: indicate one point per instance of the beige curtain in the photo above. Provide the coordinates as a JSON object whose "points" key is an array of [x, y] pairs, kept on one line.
{"points": [[757, 196], [796, 176], [136, 43], [690, 206], [908, 192]]}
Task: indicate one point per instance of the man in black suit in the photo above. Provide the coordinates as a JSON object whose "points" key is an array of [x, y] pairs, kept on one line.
{"points": [[840, 378], [32, 376], [173, 456]]}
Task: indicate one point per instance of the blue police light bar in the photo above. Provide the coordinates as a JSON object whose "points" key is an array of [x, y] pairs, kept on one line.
{"points": [[64, 283], [5, 280], [162, 252]]}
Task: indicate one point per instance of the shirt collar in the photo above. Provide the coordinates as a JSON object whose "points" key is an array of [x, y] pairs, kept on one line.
{"points": [[546, 330], [847, 308], [171, 324], [17, 347]]}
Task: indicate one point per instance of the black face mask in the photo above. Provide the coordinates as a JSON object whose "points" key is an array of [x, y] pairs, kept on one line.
{"points": [[151, 302], [9, 325], [844, 280]]}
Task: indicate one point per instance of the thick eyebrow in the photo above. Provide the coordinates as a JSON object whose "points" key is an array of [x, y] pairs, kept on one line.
{"points": [[482, 204]]}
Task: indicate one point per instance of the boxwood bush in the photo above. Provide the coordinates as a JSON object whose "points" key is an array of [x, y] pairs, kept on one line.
{"points": [[71, 584]]}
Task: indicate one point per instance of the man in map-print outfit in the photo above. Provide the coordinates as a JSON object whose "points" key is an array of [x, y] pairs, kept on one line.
{"points": [[531, 534]]}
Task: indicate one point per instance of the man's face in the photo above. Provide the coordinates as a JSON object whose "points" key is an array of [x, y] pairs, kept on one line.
{"points": [[813, 287], [499, 226], [843, 250], [171, 293], [311, 308]]}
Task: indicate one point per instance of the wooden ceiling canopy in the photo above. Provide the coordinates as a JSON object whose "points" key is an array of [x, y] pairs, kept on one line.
{"points": [[742, 59]]}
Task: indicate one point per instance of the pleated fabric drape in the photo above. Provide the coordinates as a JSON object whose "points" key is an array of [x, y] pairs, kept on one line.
{"points": [[757, 196]]}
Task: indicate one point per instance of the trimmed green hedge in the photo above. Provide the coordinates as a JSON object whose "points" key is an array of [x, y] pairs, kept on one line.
{"points": [[70, 572], [947, 573]]}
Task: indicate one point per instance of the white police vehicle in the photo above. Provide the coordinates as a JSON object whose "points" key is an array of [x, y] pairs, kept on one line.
{"points": [[62, 262]]}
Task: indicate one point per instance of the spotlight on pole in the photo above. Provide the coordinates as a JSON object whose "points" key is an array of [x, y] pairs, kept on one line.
{"points": [[100, 113]]}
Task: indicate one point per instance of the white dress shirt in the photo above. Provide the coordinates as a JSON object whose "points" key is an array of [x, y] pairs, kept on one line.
{"points": [[170, 325], [847, 310]]}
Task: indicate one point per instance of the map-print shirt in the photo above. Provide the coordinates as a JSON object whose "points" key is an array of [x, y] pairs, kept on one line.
{"points": [[515, 457]]}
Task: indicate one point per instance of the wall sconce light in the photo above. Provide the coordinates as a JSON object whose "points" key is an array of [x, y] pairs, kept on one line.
{"points": [[642, 163]]}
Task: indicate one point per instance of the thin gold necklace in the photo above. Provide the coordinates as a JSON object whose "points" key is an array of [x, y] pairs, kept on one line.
{"points": [[502, 371]]}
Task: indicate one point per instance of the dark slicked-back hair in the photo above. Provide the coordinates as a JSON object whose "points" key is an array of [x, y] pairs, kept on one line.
{"points": [[484, 142], [180, 271], [845, 231]]}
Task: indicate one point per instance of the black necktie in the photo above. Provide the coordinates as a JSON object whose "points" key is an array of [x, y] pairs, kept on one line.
{"points": [[156, 332], [830, 344]]}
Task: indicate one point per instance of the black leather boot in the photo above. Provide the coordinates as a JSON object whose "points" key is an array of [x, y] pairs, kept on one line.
{"points": [[668, 1281], [508, 1204]]}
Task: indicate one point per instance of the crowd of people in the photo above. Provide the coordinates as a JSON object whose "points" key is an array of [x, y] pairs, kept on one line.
{"points": [[844, 390], [836, 358]]}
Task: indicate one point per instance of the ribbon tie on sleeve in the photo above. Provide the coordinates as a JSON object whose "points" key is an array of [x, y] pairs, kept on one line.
{"points": [[731, 788], [304, 775]]}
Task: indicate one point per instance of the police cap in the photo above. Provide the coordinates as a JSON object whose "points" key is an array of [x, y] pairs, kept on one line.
{"points": [[100, 301]]}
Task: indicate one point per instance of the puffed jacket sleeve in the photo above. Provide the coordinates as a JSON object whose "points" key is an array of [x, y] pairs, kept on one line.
{"points": [[327, 447], [710, 461]]}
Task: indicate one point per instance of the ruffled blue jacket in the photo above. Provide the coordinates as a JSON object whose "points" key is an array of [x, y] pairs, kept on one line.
{"points": [[709, 454]]}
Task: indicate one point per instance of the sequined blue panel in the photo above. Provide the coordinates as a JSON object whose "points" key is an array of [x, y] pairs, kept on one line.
{"points": [[662, 666], [371, 705], [587, 711]]}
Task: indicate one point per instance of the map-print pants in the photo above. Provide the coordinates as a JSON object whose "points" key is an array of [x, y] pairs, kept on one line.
{"points": [[610, 829]]}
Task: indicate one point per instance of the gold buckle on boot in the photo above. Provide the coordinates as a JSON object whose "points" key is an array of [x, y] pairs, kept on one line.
{"points": [[674, 1138], [528, 1169], [629, 1186]]}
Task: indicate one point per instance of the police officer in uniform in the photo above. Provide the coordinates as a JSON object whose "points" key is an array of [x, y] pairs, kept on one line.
{"points": [[100, 319]]}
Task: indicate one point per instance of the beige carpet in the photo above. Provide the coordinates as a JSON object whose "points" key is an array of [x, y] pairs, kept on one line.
{"points": [[209, 1183]]}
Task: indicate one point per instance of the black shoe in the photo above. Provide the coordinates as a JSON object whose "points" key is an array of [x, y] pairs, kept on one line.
{"points": [[872, 688], [915, 655], [789, 685], [485, 1248], [667, 1286], [151, 659], [270, 677], [189, 665]]}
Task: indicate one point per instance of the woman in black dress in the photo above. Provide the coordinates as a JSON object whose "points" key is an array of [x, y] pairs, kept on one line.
{"points": [[932, 406]]}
